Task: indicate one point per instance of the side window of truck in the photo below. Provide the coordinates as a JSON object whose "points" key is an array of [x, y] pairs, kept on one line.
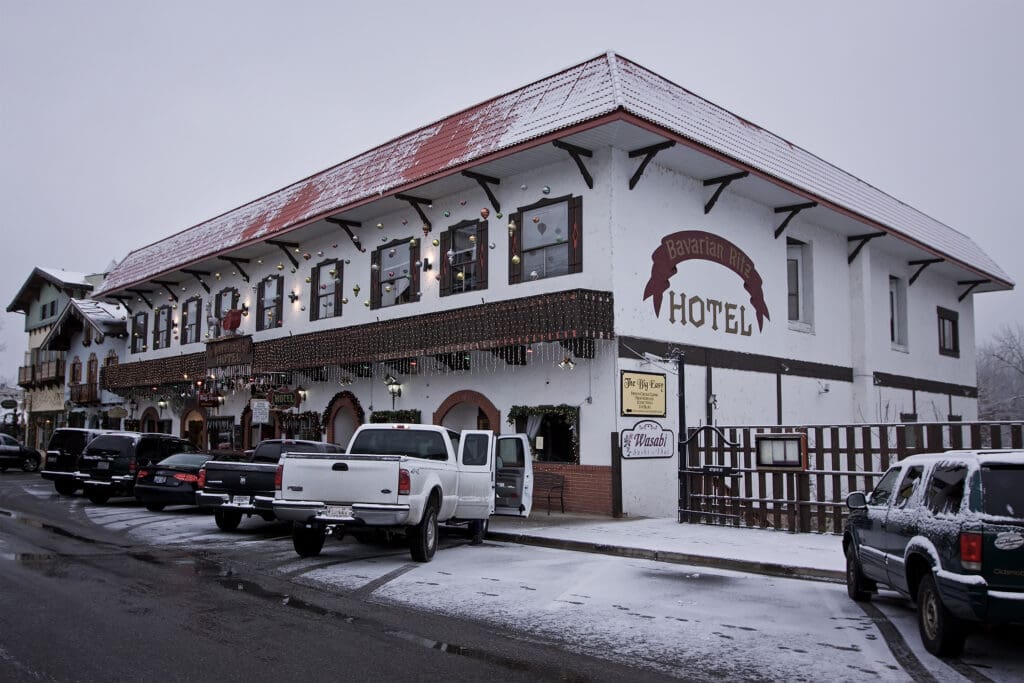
{"points": [[882, 492], [910, 483], [474, 449], [946, 489]]}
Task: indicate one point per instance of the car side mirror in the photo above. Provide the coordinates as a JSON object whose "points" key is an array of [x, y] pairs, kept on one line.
{"points": [[857, 501]]}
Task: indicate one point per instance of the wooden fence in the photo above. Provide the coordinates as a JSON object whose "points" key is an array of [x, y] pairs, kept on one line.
{"points": [[720, 481]]}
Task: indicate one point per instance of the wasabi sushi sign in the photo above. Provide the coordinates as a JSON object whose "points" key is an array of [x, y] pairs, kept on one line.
{"points": [[647, 439]]}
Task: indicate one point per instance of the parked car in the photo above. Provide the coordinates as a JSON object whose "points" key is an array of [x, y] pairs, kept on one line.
{"points": [[109, 463], [172, 481], [62, 452], [947, 531], [13, 453]]}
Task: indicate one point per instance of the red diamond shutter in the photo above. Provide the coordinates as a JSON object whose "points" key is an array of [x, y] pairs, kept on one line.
{"points": [[515, 248], [414, 272], [481, 255], [375, 279], [445, 266], [314, 293], [576, 235]]}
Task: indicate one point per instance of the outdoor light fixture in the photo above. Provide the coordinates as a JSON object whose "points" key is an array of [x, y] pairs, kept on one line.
{"points": [[567, 363], [293, 296], [161, 404], [245, 310], [427, 265], [394, 388], [133, 405]]}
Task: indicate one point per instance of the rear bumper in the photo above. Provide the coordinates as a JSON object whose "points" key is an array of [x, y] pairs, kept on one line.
{"points": [[381, 515], [247, 503], [118, 485], [56, 475], [977, 602]]}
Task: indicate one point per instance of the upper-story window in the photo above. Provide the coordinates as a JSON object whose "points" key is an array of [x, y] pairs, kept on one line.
{"points": [[226, 300], [394, 278], [139, 321], [75, 373], [949, 332], [546, 239], [325, 290], [464, 257], [268, 303], [162, 327], [191, 320], [111, 359], [898, 313], [798, 285]]}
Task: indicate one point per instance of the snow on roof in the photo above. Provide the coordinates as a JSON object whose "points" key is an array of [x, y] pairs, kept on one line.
{"points": [[104, 319], [66, 276], [579, 94]]}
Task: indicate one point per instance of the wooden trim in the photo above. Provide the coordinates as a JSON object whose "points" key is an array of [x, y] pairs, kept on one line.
{"points": [[884, 379]]}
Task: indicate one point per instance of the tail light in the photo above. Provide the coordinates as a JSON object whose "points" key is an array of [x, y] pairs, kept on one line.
{"points": [[404, 483], [970, 550], [132, 466], [143, 474], [278, 476], [202, 478], [181, 476]]}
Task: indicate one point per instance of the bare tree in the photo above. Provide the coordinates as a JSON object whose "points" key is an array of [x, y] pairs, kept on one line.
{"points": [[1001, 375]]}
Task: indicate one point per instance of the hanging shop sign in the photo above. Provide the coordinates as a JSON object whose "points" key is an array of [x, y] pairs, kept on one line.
{"points": [[647, 439], [228, 352], [260, 411], [209, 399], [283, 398], [688, 245], [117, 413], [643, 394], [8, 404]]}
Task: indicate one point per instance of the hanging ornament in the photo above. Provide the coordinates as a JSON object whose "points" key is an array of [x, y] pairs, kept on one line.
{"points": [[306, 256], [320, 253], [417, 263], [511, 227], [391, 274], [485, 212], [366, 303], [499, 215], [545, 190], [332, 272], [348, 261], [405, 221], [413, 242], [334, 245], [217, 275], [523, 186], [323, 286], [385, 238], [292, 270], [460, 276], [355, 289], [534, 275], [447, 213], [308, 280], [280, 266], [344, 300], [374, 266], [462, 202], [450, 255], [516, 259], [259, 261], [380, 226], [391, 253], [302, 308], [472, 239], [435, 242], [387, 288], [536, 219], [426, 229], [492, 245], [542, 228]]}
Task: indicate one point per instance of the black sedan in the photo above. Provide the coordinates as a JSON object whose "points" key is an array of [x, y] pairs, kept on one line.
{"points": [[172, 481], [13, 453]]}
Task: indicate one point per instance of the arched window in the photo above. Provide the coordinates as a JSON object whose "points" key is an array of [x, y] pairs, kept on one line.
{"points": [[92, 370], [111, 358]]}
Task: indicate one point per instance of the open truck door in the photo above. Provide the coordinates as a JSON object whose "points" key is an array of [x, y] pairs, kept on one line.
{"points": [[513, 490], [476, 474]]}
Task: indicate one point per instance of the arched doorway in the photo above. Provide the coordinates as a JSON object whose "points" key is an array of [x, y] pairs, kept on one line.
{"points": [[342, 417], [468, 409], [150, 420], [193, 428]]}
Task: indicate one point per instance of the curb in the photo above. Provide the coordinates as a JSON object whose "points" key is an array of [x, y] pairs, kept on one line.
{"points": [[764, 568]]}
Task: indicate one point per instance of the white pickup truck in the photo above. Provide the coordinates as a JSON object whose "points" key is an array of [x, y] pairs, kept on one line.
{"points": [[405, 478]]}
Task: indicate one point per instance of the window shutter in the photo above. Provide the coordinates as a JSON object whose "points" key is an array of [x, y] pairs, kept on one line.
{"points": [[314, 293], [375, 279], [279, 305], [446, 268], [261, 291], [576, 235], [414, 272], [339, 281], [481, 255], [515, 248]]}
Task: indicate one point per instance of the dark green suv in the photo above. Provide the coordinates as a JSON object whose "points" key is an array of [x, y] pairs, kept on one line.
{"points": [[947, 531]]}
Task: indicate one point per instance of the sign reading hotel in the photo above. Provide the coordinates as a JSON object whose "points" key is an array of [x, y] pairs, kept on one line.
{"points": [[698, 311], [647, 439], [643, 394]]}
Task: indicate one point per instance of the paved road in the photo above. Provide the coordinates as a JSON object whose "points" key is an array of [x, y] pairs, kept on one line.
{"points": [[512, 610]]}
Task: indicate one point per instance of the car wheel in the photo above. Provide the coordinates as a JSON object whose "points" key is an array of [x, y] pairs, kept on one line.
{"points": [[30, 464], [155, 507], [858, 586], [98, 496], [942, 633], [476, 531], [423, 536], [227, 520], [65, 488], [308, 541]]}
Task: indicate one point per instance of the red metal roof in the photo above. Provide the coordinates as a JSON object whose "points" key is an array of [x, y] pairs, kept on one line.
{"points": [[580, 94]]}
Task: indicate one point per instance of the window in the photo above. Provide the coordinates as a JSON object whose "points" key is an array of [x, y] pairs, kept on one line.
{"points": [[268, 303], [882, 492], [92, 370], [111, 359], [949, 332], [946, 489], [798, 284], [326, 283], [551, 430], [464, 258], [911, 482], [1001, 485], [897, 313], [139, 332], [162, 327], [87, 335], [546, 239], [781, 450], [76, 371], [190, 320], [394, 279], [226, 300]]}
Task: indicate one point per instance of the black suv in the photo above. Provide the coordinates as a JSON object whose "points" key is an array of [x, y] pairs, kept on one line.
{"points": [[947, 531], [62, 453], [109, 463]]}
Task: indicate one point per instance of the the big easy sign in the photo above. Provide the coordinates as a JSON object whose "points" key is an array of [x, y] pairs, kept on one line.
{"points": [[698, 311]]}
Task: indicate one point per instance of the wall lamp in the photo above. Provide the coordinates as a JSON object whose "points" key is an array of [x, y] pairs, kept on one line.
{"points": [[427, 265], [161, 404], [567, 363], [394, 388]]}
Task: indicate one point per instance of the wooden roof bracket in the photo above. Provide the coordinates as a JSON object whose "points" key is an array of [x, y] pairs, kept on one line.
{"points": [[169, 286], [861, 240], [286, 247], [198, 274], [237, 263], [121, 300], [971, 285], [921, 265], [141, 293], [722, 182], [793, 210], [648, 153], [415, 203], [577, 152], [347, 226], [483, 180]]}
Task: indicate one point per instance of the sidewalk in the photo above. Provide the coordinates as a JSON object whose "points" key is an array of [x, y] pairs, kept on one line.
{"points": [[774, 553]]}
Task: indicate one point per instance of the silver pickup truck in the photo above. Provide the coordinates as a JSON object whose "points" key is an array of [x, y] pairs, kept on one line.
{"points": [[403, 478]]}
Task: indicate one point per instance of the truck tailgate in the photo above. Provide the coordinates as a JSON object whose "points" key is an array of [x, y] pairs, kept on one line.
{"points": [[238, 477], [340, 479]]}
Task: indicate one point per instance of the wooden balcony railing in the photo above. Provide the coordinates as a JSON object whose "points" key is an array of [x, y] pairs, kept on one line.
{"points": [[85, 393]]}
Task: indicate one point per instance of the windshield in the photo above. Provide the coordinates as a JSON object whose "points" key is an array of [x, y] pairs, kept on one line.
{"points": [[271, 452], [185, 460], [66, 440], [110, 445], [1001, 486], [414, 443]]}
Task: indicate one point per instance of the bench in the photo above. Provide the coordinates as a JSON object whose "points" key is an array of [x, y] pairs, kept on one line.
{"points": [[552, 484]]}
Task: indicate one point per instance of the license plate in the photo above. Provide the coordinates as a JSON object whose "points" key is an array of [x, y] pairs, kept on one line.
{"points": [[240, 500], [159, 479], [102, 465], [342, 511]]}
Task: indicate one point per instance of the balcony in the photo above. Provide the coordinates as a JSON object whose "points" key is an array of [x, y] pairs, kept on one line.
{"points": [[85, 393], [40, 374], [25, 376]]}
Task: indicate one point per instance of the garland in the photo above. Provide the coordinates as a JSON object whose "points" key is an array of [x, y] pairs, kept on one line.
{"points": [[386, 416], [567, 414]]}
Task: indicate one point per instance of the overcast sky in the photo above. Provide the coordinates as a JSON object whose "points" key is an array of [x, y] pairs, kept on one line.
{"points": [[124, 122]]}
